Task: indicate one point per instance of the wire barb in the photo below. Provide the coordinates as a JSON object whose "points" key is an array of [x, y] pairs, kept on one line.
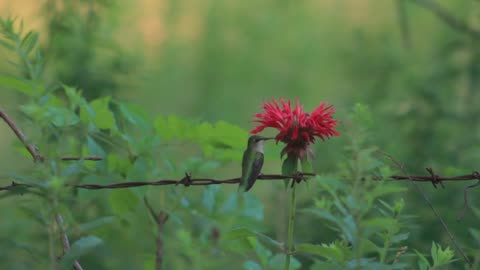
{"points": [[427, 200]]}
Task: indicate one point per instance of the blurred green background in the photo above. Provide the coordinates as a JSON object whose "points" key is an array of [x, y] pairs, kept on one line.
{"points": [[220, 59]]}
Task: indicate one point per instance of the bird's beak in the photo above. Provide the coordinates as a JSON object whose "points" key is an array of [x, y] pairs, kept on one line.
{"points": [[267, 138]]}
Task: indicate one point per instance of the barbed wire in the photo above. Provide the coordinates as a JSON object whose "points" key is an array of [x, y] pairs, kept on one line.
{"points": [[187, 180], [435, 180]]}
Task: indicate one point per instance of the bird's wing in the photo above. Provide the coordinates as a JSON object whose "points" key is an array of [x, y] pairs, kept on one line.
{"points": [[255, 171], [247, 159]]}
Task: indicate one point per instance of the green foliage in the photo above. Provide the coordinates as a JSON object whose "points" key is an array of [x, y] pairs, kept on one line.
{"points": [[79, 248], [421, 106], [80, 46], [28, 59], [439, 257]]}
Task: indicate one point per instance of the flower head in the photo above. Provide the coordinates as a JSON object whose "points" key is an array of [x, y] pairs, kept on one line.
{"points": [[297, 129]]}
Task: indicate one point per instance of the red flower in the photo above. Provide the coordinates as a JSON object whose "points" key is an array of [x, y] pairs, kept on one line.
{"points": [[297, 128]]}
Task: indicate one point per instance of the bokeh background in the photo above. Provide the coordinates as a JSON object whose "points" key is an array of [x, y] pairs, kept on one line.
{"points": [[220, 59]]}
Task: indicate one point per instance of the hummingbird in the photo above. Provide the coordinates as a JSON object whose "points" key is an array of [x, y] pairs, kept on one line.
{"points": [[252, 162]]}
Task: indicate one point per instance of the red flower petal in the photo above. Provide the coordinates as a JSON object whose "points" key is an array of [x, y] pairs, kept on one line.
{"points": [[296, 128]]}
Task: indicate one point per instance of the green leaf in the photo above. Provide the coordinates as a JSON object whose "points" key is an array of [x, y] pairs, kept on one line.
{"points": [[251, 265], [19, 85], [77, 100], [399, 237], [289, 167], [18, 190], [103, 118], [96, 223], [93, 148], [172, 127], [346, 224], [382, 190], [29, 41], [319, 265], [253, 207], [122, 201], [330, 252], [423, 263], [209, 197], [475, 234], [441, 256], [79, 248], [306, 165], [240, 233], [61, 117], [135, 115], [262, 252], [379, 223], [278, 262]]}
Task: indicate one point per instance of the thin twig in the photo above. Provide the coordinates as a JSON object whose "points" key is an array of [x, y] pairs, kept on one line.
{"points": [[444, 15], [65, 241], [429, 203], [37, 157], [465, 201], [160, 220], [31, 148]]}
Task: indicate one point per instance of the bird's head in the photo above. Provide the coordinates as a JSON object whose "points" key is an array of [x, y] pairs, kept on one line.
{"points": [[257, 140]]}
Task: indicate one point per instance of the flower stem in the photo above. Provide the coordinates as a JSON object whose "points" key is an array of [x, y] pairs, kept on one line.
{"points": [[291, 222]]}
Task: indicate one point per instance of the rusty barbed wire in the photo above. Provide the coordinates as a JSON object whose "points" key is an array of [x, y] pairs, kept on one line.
{"points": [[186, 181]]}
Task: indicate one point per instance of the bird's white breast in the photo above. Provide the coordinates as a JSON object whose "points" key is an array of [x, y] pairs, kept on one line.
{"points": [[259, 146]]}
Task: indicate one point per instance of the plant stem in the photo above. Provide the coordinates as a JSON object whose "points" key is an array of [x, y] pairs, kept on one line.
{"points": [[51, 245], [291, 222]]}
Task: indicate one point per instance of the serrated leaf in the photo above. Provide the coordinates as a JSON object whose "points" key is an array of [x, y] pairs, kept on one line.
{"points": [[441, 256], [79, 248]]}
